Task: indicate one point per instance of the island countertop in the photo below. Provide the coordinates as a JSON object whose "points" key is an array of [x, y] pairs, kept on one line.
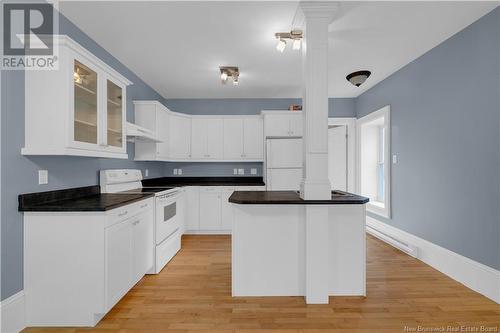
{"points": [[293, 198]]}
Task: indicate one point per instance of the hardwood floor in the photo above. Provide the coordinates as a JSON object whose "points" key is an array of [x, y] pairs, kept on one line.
{"points": [[193, 294]]}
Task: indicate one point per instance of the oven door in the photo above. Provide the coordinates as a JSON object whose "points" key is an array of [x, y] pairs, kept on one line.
{"points": [[167, 221]]}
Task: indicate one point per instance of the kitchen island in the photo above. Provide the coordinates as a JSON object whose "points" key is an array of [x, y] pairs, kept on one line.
{"points": [[275, 252]]}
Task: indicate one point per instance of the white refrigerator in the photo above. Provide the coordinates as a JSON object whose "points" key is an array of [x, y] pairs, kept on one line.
{"points": [[283, 164]]}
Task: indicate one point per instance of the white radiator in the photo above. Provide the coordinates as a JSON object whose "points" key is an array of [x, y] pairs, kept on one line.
{"points": [[410, 249]]}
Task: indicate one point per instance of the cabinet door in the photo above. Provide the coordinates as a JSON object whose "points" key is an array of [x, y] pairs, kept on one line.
{"points": [[180, 137], [119, 262], [226, 211], [115, 120], [233, 139], [277, 125], [210, 209], [192, 208], [215, 138], [162, 128], [296, 127], [253, 139], [198, 138], [85, 104], [142, 244]]}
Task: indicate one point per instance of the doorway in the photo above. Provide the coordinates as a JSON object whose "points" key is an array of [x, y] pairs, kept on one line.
{"points": [[338, 157]]}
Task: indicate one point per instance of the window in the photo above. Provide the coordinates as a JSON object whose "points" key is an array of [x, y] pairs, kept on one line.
{"points": [[373, 172]]}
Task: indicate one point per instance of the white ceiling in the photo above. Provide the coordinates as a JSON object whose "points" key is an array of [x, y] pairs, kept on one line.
{"points": [[177, 47]]}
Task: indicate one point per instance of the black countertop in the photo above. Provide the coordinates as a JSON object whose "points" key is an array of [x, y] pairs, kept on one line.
{"points": [[204, 181], [292, 198], [80, 199]]}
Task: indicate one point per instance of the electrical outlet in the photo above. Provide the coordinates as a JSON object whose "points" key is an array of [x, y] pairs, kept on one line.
{"points": [[43, 177], [146, 172], [253, 171], [394, 159], [235, 171], [179, 171], [175, 171], [241, 171]]}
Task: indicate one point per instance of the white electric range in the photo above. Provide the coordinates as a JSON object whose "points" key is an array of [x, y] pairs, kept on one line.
{"points": [[168, 225]]}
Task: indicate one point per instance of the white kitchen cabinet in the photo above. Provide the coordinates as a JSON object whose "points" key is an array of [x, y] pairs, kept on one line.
{"points": [[79, 109], [215, 139], [207, 139], [179, 136], [210, 208], [253, 139], [192, 208], [119, 262], [187, 138], [84, 262], [296, 121], [233, 139], [226, 210], [283, 123], [143, 252]]}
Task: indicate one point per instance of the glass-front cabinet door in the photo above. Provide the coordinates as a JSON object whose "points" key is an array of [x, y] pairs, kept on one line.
{"points": [[86, 120], [114, 114]]}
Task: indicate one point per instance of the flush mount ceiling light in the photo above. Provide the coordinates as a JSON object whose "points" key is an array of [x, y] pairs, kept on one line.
{"points": [[295, 36], [227, 72], [358, 78]]}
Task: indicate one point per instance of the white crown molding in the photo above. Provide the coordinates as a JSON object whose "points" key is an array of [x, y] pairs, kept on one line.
{"points": [[12, 317], [474, 275]]}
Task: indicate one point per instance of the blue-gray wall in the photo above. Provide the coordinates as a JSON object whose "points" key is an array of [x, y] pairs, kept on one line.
{"points": [[445, 115], [337, 107]]}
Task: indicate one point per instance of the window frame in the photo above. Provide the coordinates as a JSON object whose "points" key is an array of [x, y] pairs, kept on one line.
{"points": [[385, 114]]}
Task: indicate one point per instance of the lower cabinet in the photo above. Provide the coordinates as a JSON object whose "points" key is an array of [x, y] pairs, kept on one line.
{"points": [[84, 262], [209, 210], [129, 255]]}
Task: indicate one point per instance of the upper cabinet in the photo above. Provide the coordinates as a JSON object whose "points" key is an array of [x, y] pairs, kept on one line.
{"points": [[243, 138], [282, 123], [77, 109], [180, 136], [197, 138], [207, 138]]}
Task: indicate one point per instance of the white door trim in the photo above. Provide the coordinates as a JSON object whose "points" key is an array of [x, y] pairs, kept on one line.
{"points": [[351, 149]]}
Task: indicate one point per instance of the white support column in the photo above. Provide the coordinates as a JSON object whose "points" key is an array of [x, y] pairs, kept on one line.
{"points": [[316, 17]]}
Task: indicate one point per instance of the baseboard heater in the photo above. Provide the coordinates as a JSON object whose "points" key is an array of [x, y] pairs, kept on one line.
{"points": [[410, 249]]}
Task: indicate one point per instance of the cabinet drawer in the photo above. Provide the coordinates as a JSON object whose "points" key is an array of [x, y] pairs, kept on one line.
{"points": [[125, 212]]}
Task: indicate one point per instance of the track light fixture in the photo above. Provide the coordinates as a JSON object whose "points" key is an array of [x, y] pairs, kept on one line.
{"points": [[295, 36], [227, 72]]}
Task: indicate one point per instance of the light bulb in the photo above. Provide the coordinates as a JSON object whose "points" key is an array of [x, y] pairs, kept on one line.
{"points": [[281, 45], [296, 44], [223, 76]]}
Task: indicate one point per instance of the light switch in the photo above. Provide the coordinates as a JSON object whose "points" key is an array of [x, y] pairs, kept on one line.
{"points": [[43, 177], [253, 171], [146, 172], [179, 171], [394, 159], [241, 171], [175, 171], [235, 171]]}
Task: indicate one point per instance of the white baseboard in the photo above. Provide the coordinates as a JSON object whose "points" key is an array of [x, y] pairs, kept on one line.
{"points": [[474, 275], [12, 318]]}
